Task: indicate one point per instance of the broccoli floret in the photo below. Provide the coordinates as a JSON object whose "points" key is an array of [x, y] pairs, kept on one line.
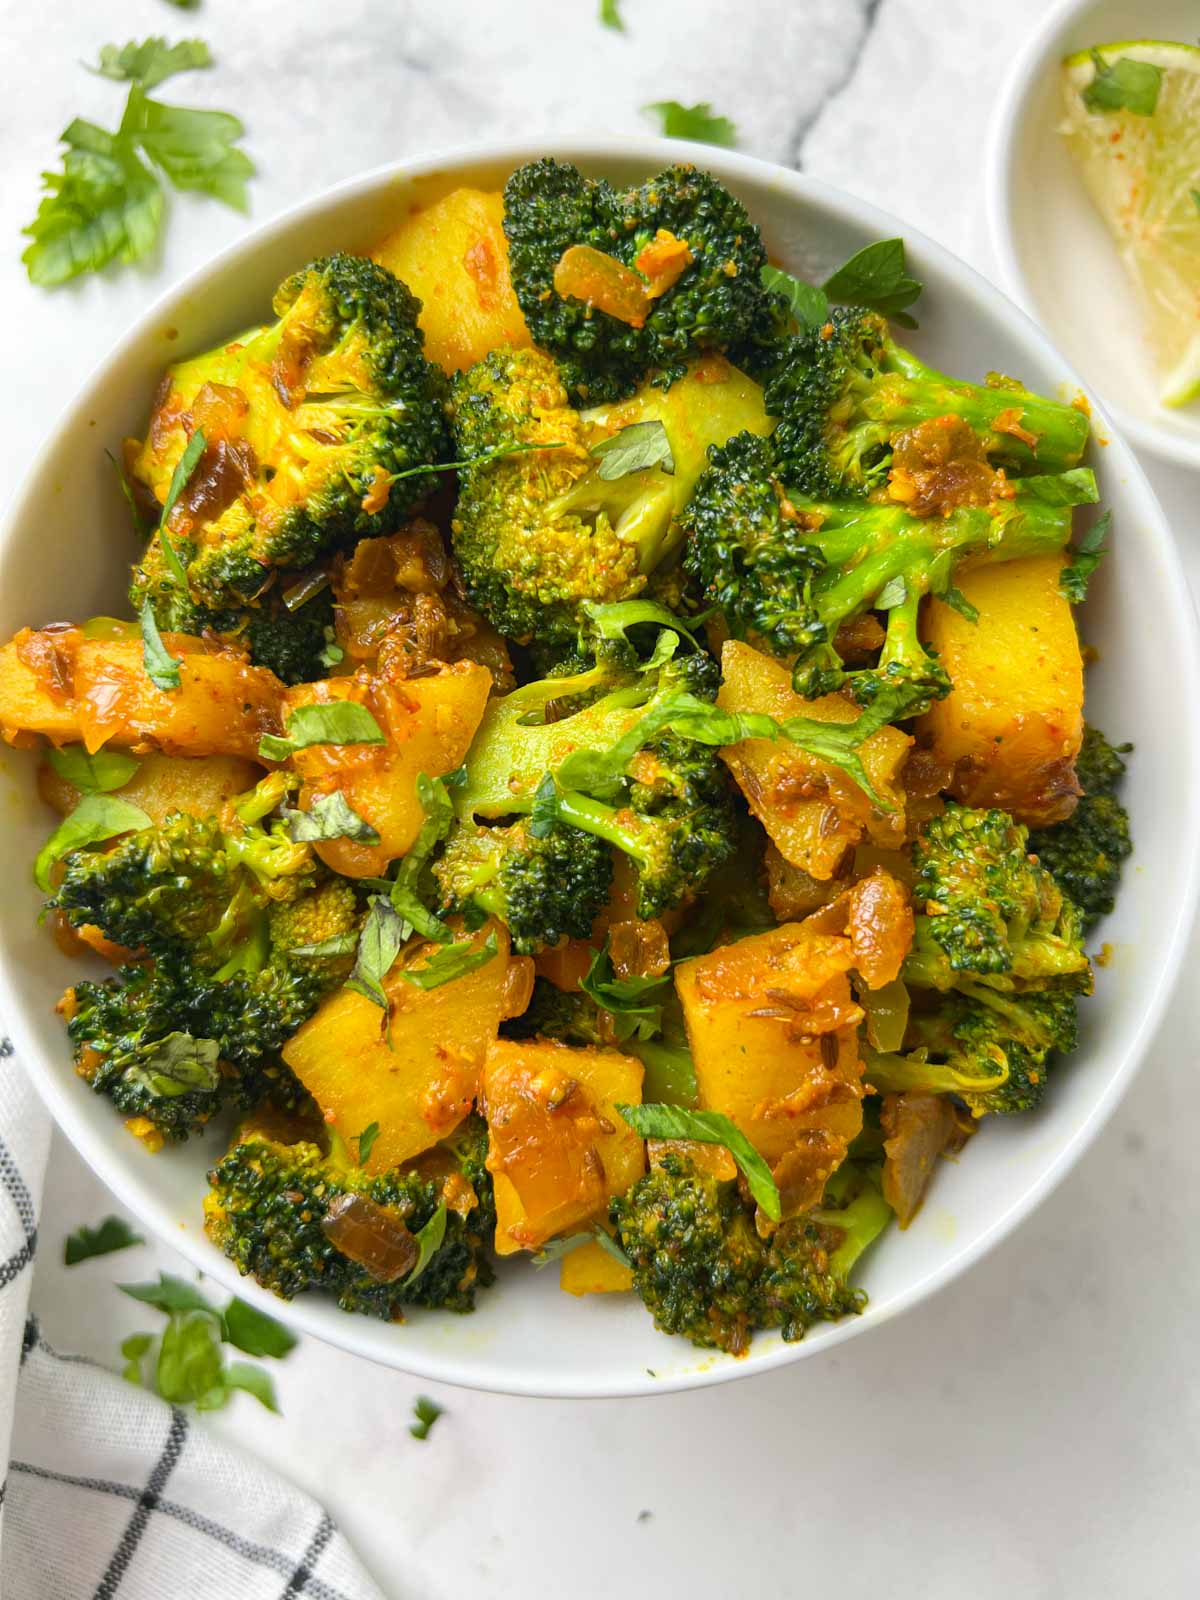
{"points": [[845, 391], [298, 1218], [989, 909], [307, 424], [703, 1271], [991, 1051], [1085, 854], [538, 531], [786, 570], [245, 933], [662, 798], [715, 303], [542, 888]]}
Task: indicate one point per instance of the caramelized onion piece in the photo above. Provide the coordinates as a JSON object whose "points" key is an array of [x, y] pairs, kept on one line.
{"points": [[370, 1235]]}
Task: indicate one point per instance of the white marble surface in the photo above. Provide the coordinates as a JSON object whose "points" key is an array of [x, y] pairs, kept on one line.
{"points": [[1033, 1430]]}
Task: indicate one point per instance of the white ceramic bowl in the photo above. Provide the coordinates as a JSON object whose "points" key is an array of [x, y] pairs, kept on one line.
{"points": [[1055, 254], [63, 553]]}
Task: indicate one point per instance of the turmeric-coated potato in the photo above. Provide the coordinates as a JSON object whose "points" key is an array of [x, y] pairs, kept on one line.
{"points": [[772, 1023], [591, 1269], [558, 1147], [420, 1087], [1012, 723], [428, 724], [199, 786], [69, 687], [812, 811], [454, 257]]}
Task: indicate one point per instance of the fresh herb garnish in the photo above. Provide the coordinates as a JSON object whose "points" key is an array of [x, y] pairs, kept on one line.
{"points": [[1123, 85], [162, 668], [699, 122], [1086, 556], [427, 1412], [450, 962], [337, 944], [610, 15], [114, 1233], [365, 1142], [808, 304], [97, 817], [107, 203], [92, 773], [876, 277], [177, 1064], [152, 62], [407, 890], [189, 1369], [429, 1242], [330, 816], [498, 454], [184, 468], [338, 722], [633, 449], [635, 1003], [709, 1127], [379, 943]]}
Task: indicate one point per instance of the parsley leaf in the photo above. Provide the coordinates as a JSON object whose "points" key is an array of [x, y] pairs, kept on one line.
{"points": [[133, 1349], [877, 277], [162, 668], [699, 122], [184, 468], [255, 1332], [329, 817], [251, 1380], [114, 1233], [635, 1003], [366, 1141], [170, 1294], [92, 773], [177, 1064], [1123, 85], [452, 961], [97, 817], [633, 449], [709, 1127], [427, 1412], [151, 62], [338, 722], [610, 15], [429, 1242], [379, 943], [1085, 558]]}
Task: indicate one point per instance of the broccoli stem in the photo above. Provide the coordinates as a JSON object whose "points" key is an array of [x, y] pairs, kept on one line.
{"points": [[890, 1073], [618, 828]]}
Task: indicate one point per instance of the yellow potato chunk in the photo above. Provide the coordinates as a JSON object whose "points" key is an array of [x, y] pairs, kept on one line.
{"points": [[199, 786], [772, 1025], [589, 1269], [454, 257], [1012, 724], [429, 723], [69, 687], [812, 811], [558, 1147], [420, 1087]]}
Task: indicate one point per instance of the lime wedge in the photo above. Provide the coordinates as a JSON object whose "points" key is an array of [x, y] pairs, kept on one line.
{"points": [[1143, 174]]}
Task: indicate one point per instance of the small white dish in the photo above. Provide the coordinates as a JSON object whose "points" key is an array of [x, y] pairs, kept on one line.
{"points": [[1055, 254], [64, 546]]}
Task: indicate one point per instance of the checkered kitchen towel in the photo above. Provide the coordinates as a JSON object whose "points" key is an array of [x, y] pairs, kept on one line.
{"points": [[109, 1491]]}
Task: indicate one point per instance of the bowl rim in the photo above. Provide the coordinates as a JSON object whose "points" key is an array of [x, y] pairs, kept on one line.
{"points": [[1001, 187], [454, 1367]]}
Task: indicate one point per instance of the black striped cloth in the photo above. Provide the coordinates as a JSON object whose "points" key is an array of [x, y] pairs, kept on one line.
{"points": [[108, 1491]]}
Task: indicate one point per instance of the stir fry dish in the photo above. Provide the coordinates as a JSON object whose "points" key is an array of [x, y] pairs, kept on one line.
{"points": [[593, 768]]}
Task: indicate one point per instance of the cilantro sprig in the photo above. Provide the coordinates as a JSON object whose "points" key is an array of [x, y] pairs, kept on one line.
{"points": [[108, 203], [876, 277]]}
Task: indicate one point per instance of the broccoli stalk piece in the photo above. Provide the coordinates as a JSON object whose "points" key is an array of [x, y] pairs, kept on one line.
{"points": [[312, 426], [240, 934], [297, 1216], [1085, 854], [716, 302], [703, 1271], [786, 570], [543, 888], [844, 392], [538, 529]]}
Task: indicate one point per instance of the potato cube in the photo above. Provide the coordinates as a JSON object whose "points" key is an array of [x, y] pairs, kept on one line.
{"points": [[590, 1269]]}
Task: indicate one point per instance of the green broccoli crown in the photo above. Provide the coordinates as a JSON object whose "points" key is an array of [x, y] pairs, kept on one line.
{"points": [[276, 1210], [702, 1270], [717, 303], [844, 392], [1086, 853], [990, 909], [308, 424], [539, 533], [543, 889]]}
